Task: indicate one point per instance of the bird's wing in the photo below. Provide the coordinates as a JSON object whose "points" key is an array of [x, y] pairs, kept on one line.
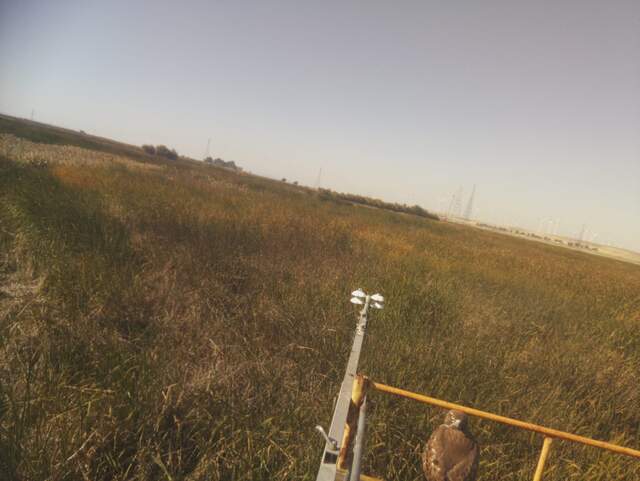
{"points": [[467, 468], [432, 462]]}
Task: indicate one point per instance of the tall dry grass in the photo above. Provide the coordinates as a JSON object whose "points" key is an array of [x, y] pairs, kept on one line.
{"points": [[188, 323]]}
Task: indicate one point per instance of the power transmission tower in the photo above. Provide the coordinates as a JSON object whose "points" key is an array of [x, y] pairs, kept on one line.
{"points": [[458, 203], [453, 201], [319, 179], [549, 229], [582, 232], [468, 212], [455, 207]]}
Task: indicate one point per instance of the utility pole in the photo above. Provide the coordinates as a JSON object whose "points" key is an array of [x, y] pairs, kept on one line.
{"points": [[206, 154]]}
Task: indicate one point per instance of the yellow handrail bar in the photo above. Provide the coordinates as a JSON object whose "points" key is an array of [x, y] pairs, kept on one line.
{"points": [[544, 453], [550, 433]]}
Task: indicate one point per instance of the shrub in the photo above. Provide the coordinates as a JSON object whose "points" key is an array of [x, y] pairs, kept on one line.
{"points": [[163, 151], [149, 149], [327, 194]]}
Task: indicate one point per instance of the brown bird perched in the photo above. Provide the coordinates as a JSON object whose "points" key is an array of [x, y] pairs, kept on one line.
{"points": [[451, 453]]}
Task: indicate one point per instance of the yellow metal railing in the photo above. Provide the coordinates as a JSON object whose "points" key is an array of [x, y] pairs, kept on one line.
{"points": [[546, 445], [363, 384]]}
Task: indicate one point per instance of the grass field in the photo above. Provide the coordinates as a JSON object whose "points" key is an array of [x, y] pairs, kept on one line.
{"points": [[48, 134], [188, 323]]}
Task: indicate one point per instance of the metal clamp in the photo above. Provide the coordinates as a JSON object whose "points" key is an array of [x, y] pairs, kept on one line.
{"points": [[329, 440]]}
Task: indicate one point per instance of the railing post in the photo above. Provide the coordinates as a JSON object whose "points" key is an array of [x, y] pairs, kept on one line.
{"points": [[546, 445], [357, 397]]}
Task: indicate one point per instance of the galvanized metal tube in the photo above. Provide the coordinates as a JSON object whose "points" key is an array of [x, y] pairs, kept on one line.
{"points": [[358, 447], [552, 433]]}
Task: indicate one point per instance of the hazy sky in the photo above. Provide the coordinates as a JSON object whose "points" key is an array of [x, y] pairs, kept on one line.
{"points": [[537, 102]]}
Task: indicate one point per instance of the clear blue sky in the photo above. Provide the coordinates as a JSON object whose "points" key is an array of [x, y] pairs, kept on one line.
{"points": [[537, 102]]}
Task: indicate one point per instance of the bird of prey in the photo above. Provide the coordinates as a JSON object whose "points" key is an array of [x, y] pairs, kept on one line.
{"points": [[451, 453]]}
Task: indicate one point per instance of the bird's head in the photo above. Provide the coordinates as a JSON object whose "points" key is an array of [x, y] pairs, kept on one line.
{"points": [[456, 419]]}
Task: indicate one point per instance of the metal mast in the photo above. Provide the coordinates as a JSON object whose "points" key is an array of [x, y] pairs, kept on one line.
{"points": [[328, 465]]}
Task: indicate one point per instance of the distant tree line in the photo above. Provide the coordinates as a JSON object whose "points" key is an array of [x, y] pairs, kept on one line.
{"points": [[171, 154], [161, 151], [360, 199], [227, 164]]}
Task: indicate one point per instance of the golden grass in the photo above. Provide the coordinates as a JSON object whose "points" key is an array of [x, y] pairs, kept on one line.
{"points": [[22, 150], [194, 324]]}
